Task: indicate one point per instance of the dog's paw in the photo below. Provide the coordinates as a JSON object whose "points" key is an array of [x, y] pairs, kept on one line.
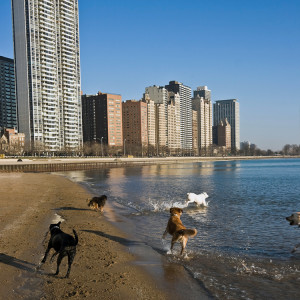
{"points": [[169, 252]]}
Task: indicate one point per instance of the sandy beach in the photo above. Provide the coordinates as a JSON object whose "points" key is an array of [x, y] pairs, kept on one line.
{"points": [[102, 269]]}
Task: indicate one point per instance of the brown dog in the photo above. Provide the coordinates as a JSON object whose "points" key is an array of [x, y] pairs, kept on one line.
{"points": [[98, 203], [294, 218], [177, 230]]}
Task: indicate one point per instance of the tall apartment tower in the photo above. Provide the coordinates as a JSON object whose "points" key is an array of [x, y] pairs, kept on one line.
{"points": [[47, 66], [229, 109], [186, 139], [159, 95], [202, 104], [224, 134], [135, 123], [204, 92], [173, 141], [195, 133], [8, 111], [151, 120], [102, 119]]}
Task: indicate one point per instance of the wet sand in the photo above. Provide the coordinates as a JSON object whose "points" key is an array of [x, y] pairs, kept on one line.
{"points": [[103, 267]]}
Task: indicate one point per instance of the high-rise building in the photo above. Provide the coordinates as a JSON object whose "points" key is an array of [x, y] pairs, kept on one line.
{"points": [[202, 104], [151, 121], [173, 134], [224, 134], [159, 95], [102, 119], [204, 92], [167, 118], [229, 109], [135, 125], [47, 66], [195, 132], [184, 92], [8, 112]]}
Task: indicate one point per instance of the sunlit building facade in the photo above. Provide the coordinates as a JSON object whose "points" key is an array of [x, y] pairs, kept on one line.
{"points": [[47, 65]]}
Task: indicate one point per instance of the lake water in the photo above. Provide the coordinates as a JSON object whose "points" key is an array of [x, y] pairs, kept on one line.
{"points": [[243, 246]]}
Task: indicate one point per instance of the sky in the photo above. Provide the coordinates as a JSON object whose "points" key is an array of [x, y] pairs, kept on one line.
{"points": [[239, 49]]}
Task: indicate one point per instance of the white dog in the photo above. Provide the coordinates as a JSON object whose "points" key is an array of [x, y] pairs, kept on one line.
{"points": [[199, 200]]}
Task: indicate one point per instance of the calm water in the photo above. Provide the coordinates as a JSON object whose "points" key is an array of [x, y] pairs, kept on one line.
{"points": [[242, 249]]}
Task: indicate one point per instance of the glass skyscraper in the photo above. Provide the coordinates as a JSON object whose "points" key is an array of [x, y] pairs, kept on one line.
{"points": [[8, 113], [229, 109]]}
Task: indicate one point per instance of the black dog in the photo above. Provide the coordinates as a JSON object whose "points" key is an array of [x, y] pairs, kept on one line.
{"points": [[64, 245]]}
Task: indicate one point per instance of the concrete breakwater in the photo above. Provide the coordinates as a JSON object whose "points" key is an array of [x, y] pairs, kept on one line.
{"points": [[72, 164]]}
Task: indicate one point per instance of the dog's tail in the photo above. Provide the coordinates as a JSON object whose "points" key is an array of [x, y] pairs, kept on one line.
{"points": [[188, 232], [76, 237]]}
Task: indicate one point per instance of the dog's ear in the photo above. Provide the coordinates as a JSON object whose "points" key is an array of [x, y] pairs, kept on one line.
{"points": [[181, 210], [58, 224]]}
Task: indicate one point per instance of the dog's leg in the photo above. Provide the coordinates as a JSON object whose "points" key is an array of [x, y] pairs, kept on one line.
{"points": [[52, 257], [165, 233], [71, 256], [59, 259], [47, 251], [183, 244], [295, 248], [174, 240]]}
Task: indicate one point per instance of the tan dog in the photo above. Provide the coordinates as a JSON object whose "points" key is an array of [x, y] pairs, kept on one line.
{"points": [[97, 203], [177, 230], [294, 218]]}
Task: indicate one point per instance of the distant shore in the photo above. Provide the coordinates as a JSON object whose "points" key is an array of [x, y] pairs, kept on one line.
{"points": [[52, 164]]}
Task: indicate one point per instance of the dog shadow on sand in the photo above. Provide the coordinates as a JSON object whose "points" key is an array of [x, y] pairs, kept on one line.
{"points": [[17, 263], [122, 241], [71, 208]]}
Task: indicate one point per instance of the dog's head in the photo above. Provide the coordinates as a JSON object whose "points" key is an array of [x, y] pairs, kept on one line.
{"points": [[294, 218], [103, 199], [205, 194], [176, 211], [53, 226]]}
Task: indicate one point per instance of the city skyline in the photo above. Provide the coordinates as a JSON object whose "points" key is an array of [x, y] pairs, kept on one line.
{"points": [[247, 51]]}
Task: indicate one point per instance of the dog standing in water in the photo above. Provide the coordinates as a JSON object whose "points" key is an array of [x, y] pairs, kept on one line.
{"points": [[177, 229], [294, 219], [64, 245]]}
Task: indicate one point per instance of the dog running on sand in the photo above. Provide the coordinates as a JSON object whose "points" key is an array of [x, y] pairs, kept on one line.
{"points": [[97, 203], [177, 229], [64, 245]]}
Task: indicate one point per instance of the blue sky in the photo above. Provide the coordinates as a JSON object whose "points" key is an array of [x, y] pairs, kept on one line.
{"points": [[248, 50]]}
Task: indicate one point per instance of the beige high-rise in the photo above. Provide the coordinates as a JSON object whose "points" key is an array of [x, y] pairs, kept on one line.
{"points": [[204, 108]]}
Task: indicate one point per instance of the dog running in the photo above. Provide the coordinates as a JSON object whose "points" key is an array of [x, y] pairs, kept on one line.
{"points": [[199, 200], [64, 245], [177, 230], [97, 203]]}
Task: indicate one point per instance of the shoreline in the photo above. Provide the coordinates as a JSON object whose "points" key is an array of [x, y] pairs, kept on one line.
{"points": [[50, 164], [102, 266]]}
